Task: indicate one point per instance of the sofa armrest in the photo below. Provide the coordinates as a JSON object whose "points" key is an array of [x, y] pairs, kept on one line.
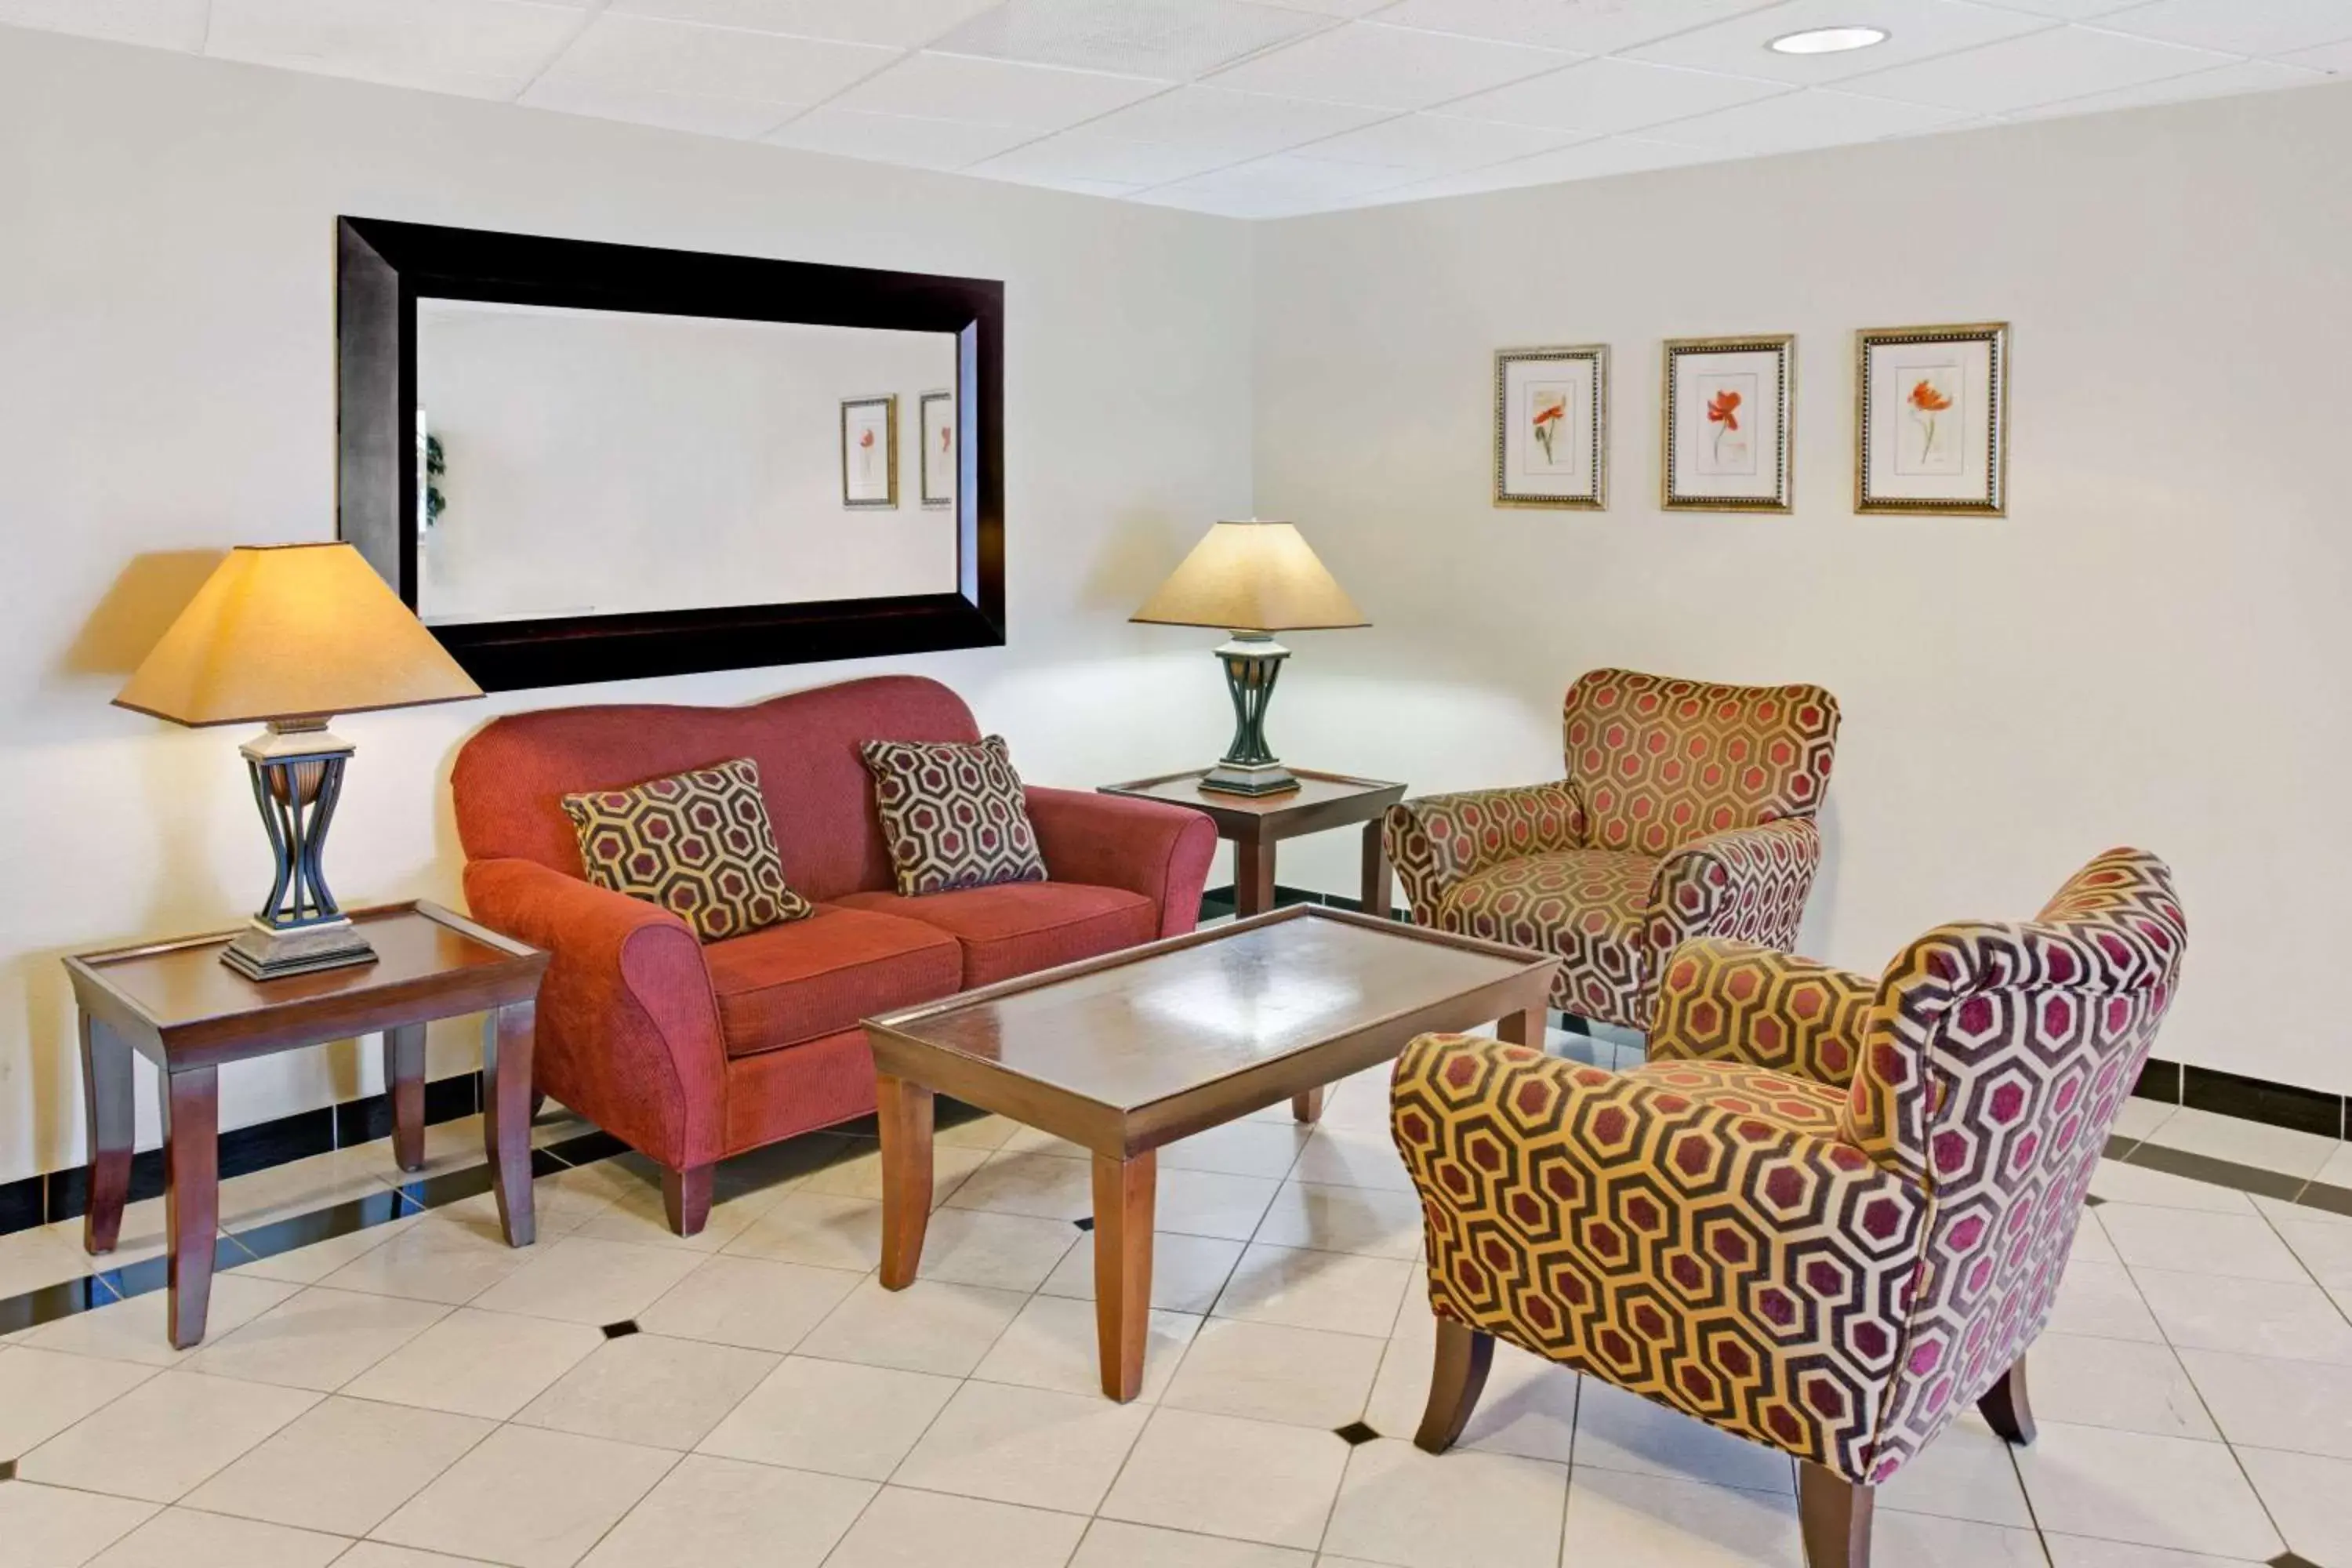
{"points": [[1746, 883], [628, 1027], [1720, 1000], [1592, 1217], [1160, 851], [1437, 840]]}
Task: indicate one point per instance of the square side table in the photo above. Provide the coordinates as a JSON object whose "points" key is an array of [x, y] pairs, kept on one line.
{"points": [[1256, 823], [177, 1004]]}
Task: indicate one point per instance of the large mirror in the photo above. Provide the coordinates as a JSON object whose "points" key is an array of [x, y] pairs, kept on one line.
{"points": [[585, 462]]}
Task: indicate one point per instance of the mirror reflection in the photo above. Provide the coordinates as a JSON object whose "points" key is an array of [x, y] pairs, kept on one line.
{"points": [[588, 462]]}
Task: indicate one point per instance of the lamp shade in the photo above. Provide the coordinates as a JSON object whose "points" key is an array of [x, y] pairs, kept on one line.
{"points": [[1252, 576], [292, 631]]}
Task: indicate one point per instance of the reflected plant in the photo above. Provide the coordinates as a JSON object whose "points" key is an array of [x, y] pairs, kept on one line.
{"points": [[435, 467]]}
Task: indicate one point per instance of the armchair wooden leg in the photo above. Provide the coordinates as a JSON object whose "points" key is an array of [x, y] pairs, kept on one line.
{"points": [[685, 1197], [2005, 1407], [1455, 1384], [1834, 1514]]}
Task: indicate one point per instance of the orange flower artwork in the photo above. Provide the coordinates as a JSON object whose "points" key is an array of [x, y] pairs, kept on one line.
{"points": [[1925, 404], [1551, 411], [1723, 413]]}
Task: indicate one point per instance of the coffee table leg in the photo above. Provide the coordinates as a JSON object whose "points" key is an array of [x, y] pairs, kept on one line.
{"points": [[404, 1083], [1124, 1195], [507, 1037], [1307, 1107], [191, 1195], [1522, 1028], [904, 1111], [107, 1102]]}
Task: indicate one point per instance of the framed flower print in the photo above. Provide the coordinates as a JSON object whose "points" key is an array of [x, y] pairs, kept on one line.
{"points": [[935, 428], [1724, 422], [1931, 420], [869, 452], [1551, 427]]}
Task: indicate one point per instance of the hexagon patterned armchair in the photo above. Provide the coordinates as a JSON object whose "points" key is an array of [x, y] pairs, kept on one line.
{"points": [[1828, 1214], [1688, 810]]}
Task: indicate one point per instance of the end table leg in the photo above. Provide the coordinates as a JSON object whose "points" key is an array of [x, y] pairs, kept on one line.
{"points": [[1380, 882], [1124, 1193], [506, 1116], [1253, 877], [904, 1112], [107, 1104], [1522, 1028], [191, 1195], [404, 1085], [1307, 1107]]}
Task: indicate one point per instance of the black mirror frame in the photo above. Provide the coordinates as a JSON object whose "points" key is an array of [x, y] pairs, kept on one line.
{"points": [[383, 268]]}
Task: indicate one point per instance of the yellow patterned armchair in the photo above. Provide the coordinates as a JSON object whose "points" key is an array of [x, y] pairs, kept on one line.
{"points": [[1688, 810], [1829, 1213]]}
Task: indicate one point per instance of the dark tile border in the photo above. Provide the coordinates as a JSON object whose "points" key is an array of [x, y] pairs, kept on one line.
{"points": [[65, 1194], [2259, 1100], [1218, 902]]}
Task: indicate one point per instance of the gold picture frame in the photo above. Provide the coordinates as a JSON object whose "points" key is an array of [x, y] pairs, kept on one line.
{"points": [[935, 435], [870, 480], [1711, 456], [1530, 471], [1939, 446]]}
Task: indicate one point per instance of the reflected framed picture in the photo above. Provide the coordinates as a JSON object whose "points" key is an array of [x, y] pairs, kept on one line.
{"points": [[1931, 420], [1724, 424], [1551, 426], [869, 451], [935, 425]]}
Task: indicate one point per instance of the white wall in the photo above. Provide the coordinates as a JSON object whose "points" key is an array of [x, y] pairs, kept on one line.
{"points": [[2153, 647], [166, 390], [601, 463]]}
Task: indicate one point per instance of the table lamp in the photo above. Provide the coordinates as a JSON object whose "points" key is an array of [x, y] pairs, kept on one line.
{"points": [[1252, 577], [290, 635]]}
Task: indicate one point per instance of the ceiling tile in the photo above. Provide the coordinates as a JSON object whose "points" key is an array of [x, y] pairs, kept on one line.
{"points": [[1175, 40], [2064, 10], [2335, 58], [705, 114], [645, 54], [1085, 154], [481, 48], [164, 24], [902, 23], [2240, 26], [1915, 29], [1346, 8], [896, 137], [1386, 67], [1436, 144], [994, 92], [1817, 117], [2040, 68], [2248, 76], [1583, 27], [1236, 124], [1613, 95]]}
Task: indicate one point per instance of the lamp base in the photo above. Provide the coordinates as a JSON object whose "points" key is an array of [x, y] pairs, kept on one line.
{"points": [[1254, 778], [262, 952]]}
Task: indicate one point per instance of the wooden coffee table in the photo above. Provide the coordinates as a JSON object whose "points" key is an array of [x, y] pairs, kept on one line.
{"points": [[1124, 1053]]}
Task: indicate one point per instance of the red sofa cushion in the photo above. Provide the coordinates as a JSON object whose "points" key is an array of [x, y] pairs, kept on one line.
{"points": [[798, 982], [1017, 927]]}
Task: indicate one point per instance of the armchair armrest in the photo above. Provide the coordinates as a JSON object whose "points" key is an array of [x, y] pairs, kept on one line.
{"points": [[1579, 1214], [1733, 1001], [628, 1028], [1436, 840], [1160, 851], [1748, 883]]}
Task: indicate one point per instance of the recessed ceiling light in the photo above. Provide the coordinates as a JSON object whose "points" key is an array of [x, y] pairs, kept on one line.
{"points": [[1827, 40]]}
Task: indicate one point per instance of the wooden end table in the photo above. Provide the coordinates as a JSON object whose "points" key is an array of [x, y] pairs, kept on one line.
{"points": [[1256, 823], [177, 1004], [1126, 1052]]}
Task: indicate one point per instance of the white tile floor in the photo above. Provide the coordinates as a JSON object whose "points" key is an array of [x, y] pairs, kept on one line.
{"points": [[417, 1394]]}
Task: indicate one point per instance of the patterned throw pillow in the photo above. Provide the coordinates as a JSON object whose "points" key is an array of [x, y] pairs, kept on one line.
{"points": [[953, 814], [696, 843]]}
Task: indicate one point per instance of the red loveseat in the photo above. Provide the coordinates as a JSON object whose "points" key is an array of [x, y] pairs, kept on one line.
{"points": [[691, 1053]]}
